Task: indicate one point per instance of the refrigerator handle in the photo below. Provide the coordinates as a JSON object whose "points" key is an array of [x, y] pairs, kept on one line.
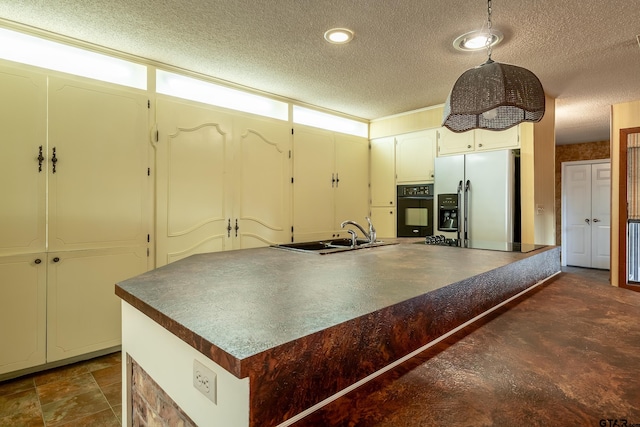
{"points": [[467, 190], [459, 224]]}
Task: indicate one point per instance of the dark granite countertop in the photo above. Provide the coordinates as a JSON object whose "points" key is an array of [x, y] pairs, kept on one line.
{"points": [[234, 305]]}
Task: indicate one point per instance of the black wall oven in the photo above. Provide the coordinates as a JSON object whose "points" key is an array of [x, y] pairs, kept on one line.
{"points": [[415, 210]]}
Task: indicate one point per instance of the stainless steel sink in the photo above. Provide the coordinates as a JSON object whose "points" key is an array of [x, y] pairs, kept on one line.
{"points": [[323, 247]]}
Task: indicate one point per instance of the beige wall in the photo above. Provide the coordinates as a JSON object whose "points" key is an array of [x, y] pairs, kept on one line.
{"points": [[571, 153]]}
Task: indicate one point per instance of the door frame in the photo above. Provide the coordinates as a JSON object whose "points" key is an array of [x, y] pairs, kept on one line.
{"points": [[563, 207], [622, 209]]}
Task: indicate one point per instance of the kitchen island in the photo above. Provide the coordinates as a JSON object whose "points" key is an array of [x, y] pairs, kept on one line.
{"points": [[282, 331]]}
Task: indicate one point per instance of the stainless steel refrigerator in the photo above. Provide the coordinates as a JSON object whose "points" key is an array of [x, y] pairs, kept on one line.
{"points": [[477, 197]]}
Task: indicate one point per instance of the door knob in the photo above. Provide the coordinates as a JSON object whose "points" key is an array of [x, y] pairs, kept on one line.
{"points": [[586, 220], [596, 220]]}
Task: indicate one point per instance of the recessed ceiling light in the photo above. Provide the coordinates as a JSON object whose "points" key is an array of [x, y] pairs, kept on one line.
{"points": [[477, 40], [338, 35]]}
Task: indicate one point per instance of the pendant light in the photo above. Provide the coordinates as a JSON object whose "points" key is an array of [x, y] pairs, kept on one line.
{"points": [[493, 96]]}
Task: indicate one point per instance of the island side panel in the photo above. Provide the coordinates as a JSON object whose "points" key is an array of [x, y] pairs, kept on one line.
{"points": [[169, 362], [295, 376]]}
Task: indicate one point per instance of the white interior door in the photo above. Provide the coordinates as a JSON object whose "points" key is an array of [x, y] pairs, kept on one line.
{"points": [[586, 214], [600, 215]]}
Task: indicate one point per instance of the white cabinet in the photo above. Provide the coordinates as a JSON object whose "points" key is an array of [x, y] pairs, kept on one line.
{"points": [[223, 181], [331, 177], [23, 119], [76, 159], [450, 143], [415, 154], [23, 297], [83, 312], [383, 186]]}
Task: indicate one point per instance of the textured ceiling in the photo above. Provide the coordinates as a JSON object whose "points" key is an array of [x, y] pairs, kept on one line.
{"points": [[585, 52]]}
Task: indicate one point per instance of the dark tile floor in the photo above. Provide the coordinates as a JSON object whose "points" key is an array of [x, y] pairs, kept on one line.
{"points": [[82, 394]]}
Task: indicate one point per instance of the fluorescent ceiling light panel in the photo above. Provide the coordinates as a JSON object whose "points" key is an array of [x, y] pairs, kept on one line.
{"points": [[221, 96], [26, 49], [306, 116]]}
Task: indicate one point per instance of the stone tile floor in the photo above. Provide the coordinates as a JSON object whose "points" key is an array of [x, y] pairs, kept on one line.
{"points": [[82, 394]]}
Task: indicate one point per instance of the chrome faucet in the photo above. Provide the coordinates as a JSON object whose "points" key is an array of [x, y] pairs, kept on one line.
{"points": [[370, 236]]}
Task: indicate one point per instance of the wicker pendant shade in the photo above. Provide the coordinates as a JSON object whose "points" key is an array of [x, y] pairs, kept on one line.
{"points": [[494, 96]]}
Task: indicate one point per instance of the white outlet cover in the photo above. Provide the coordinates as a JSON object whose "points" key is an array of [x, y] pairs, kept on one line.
{"points": [[204, 380]]}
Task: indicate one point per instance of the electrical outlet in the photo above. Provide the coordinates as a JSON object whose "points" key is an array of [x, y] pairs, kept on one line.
{"points": [[204, 379]]}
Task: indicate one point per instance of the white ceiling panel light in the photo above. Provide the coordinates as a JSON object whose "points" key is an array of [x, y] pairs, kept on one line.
{"points": [[338, 35]]}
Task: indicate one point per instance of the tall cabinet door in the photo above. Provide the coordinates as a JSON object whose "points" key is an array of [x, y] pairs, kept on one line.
{"points": [[193, 184], [314, 184], [23, 137], [23, 296], [352, 189], [98, 183], [261, 182]]}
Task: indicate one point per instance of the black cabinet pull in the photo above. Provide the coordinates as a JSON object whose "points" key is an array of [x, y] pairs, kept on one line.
{"points": [[40, 159], [237, 228], [54, 160], [38, 261], [56, 259], [229, 228]]}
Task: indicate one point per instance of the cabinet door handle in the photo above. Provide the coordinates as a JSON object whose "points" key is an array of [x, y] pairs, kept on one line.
{"points": [[40, 159], [229, 228], [337, 181], [237, 228], [333, 180], [596, 220], [38, 261], [56, 259], [54, 159], [479, 145], [468, 146], [586, 220]]}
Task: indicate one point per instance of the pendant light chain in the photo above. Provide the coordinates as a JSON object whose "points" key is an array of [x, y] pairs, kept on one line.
{"points": [[489, 27]]}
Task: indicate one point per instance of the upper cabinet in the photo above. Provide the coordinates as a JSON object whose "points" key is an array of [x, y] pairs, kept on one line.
{"points": [[330, 182], [223, 180], [415, 154], [450, 143]]}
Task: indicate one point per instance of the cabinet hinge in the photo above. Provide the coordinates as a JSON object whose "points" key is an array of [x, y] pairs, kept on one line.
{"points": [[147, 252], [148, 238], [289, 153], [148, 103], [157, 136], [292, 229], [292, 180]]}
